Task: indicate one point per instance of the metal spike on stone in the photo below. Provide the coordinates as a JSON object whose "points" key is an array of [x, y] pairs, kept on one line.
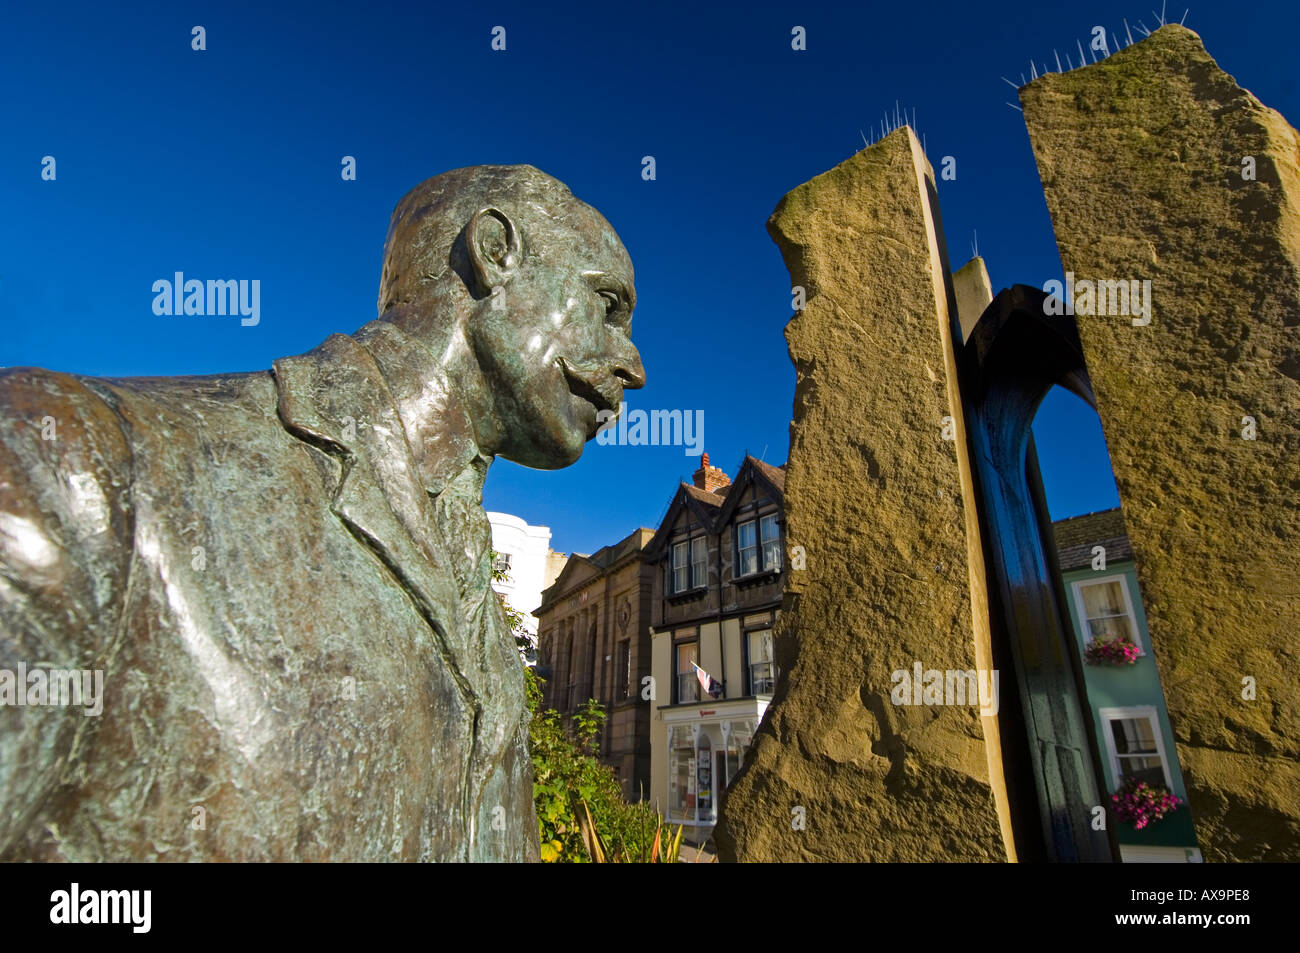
{"points": [[1058, 60], [1082, 59]]}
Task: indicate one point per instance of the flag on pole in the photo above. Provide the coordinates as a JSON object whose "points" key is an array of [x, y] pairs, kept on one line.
{"points": [[711, 686]]}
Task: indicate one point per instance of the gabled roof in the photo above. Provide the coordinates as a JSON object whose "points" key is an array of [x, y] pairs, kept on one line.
{"points": [[704, 497], [701, 504], [714, 509], [775, 475], [753, 472], [1075, 537]]}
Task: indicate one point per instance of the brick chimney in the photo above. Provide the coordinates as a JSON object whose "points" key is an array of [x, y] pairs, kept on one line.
{"points": [[710, 479]]}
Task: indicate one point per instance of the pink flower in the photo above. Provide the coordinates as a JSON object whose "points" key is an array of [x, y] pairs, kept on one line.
{"points": [[1142, 804]]}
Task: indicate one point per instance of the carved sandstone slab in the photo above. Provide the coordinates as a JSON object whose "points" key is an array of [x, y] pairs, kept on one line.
{"points": [[878, 498], [1147, 160]]}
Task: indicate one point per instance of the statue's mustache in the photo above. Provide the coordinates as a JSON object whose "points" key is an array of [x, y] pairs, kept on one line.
{"points": [[596, 385]]}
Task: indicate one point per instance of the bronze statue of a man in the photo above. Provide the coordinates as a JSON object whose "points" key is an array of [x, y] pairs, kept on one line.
{"points": [[283, 576]]}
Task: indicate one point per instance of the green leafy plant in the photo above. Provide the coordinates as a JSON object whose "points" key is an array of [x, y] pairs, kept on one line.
{"points": [[664, 848], [581, 814]]}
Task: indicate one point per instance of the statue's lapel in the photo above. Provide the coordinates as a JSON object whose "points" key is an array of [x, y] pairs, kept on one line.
{"points": [[335, 398]]}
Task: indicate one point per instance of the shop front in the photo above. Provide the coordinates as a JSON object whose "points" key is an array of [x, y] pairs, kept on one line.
{"points": [[706, 747]]}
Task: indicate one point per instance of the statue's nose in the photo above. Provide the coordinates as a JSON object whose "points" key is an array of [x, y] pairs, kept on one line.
{"points": [[628, 370]]}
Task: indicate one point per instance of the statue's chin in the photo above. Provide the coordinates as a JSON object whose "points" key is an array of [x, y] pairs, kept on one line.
{"points": [[561, 451]]}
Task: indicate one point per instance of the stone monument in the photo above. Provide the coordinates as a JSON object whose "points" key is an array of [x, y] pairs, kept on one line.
{"points": [[881, 503], [279, 581], [1159, 168], [913, 488]]}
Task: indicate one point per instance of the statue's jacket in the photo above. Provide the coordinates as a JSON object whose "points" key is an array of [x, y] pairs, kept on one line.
{"points": [[302, 657]]}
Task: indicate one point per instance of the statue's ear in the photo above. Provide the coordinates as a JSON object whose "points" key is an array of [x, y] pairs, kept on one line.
{"points": [[495, 247]]}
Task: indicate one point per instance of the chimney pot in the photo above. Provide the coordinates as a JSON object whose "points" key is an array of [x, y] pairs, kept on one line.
{"points": [[710, 478]]}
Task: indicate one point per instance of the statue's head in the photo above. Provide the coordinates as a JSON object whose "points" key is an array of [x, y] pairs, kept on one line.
{"points": [[503, 264]]}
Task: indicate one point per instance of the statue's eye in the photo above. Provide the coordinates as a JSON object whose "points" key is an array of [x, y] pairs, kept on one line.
{"points": [[612, 303]]}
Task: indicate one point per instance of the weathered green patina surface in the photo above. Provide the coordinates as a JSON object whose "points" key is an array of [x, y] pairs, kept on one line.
{"points": [[284, 575]]}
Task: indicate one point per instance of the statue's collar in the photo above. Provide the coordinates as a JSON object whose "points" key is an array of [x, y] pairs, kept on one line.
{"points": [[336, 399], [334, 396], [438, 429]]}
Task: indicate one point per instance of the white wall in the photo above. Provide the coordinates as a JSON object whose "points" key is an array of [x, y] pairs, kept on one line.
{"points": [[527, 547]]}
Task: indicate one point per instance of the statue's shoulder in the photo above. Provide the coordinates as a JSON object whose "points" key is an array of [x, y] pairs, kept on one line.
{"points": [[21, 384], [60, 419], [65, 512]]}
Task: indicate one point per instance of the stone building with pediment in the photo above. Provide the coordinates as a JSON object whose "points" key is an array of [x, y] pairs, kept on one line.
{"points": [[594, 642]]}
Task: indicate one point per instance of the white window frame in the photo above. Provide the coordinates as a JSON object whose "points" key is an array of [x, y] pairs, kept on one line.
{"points": [[1085, 635], [740, 551], [763, 544], [1107, 715], [691, 678], [749, 658], [682, 565], [703, 562]]}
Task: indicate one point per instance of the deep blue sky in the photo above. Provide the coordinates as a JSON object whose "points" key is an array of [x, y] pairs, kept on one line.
{"points": [[225, 164]]}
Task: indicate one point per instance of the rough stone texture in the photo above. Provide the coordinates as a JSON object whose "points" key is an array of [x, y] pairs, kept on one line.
{"points": [[877, 499], [974, 294], [1140, 157]]}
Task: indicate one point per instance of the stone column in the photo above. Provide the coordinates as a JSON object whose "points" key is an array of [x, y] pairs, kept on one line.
{"points": [[879, 495], [1158, 167]]}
